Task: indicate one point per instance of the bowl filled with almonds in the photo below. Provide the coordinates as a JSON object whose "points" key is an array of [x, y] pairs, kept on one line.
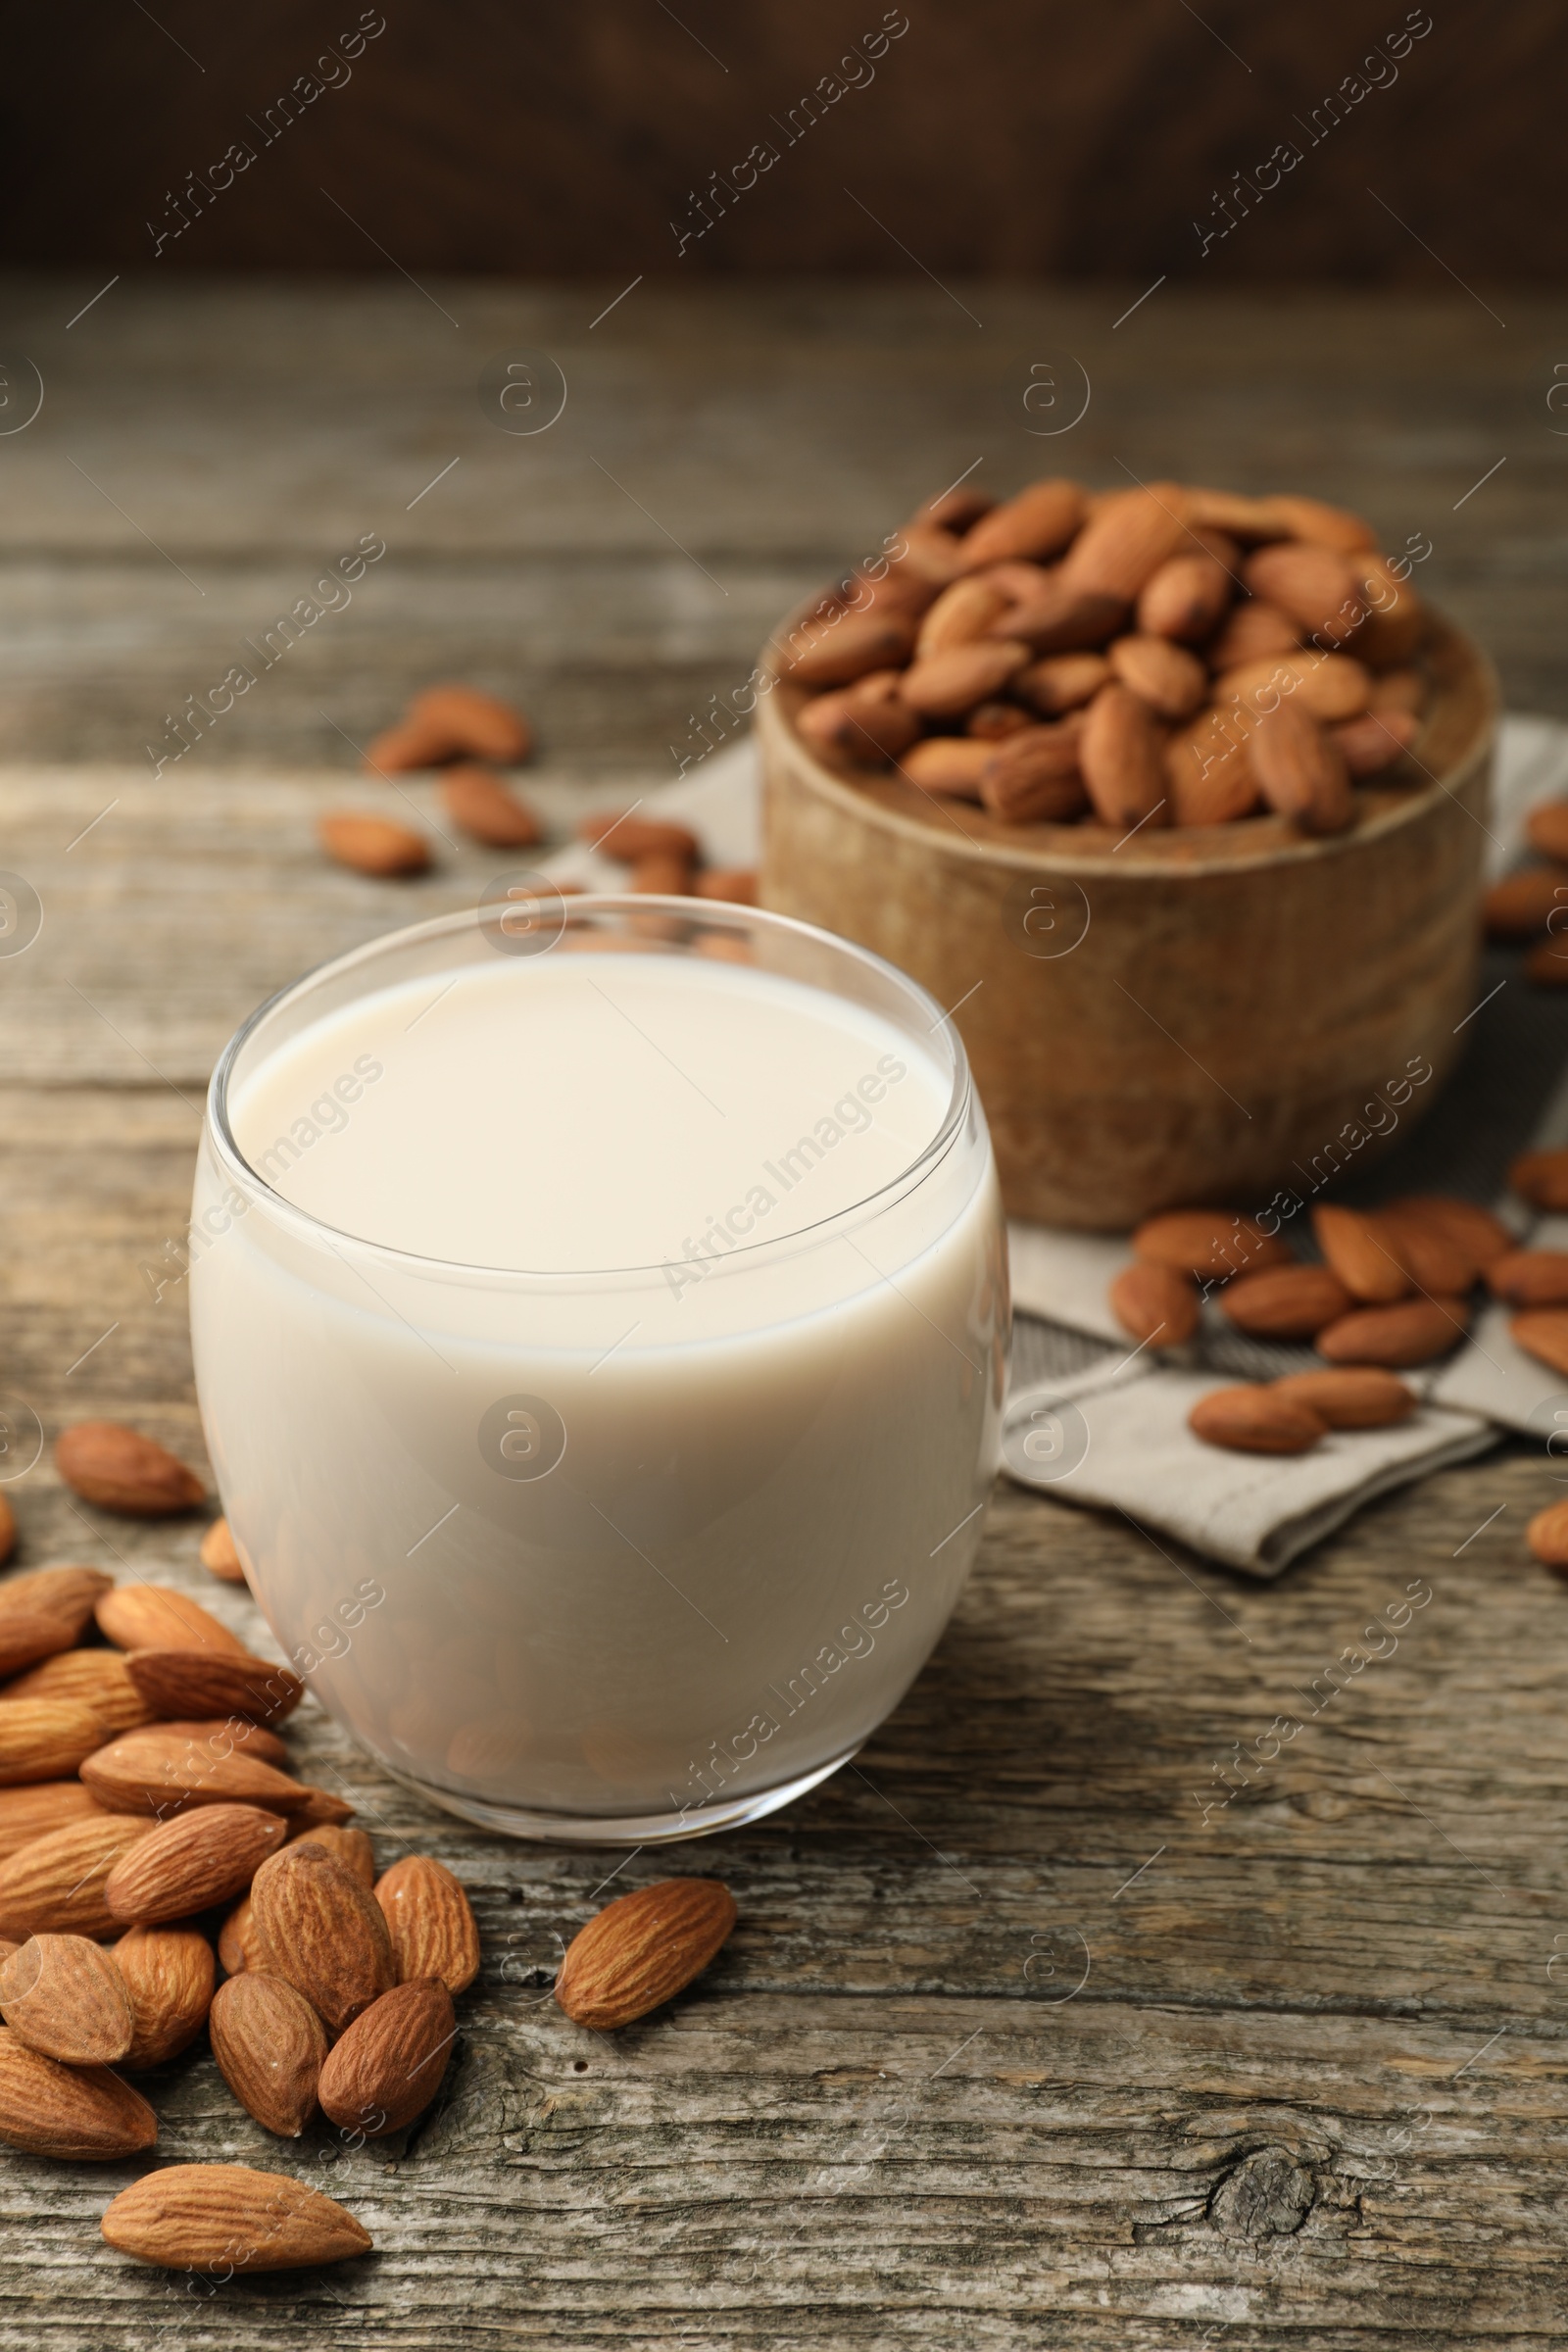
{"points": [[1175, 796]]}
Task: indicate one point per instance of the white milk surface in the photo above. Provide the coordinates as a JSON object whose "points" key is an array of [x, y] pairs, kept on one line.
{"points": [[669, 1505]]}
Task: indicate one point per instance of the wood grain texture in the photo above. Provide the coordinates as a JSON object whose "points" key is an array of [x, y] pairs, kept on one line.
{"points": [[1048, 2024]]}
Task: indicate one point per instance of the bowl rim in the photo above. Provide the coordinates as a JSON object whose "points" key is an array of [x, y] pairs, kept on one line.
{"points": [[1467, 702]]}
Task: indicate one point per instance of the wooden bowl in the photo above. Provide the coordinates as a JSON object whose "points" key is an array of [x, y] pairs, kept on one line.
{"points": [[1196, 1014]]}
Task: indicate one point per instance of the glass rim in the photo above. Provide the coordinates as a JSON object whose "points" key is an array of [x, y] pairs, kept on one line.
{"points": [[716, 914]]}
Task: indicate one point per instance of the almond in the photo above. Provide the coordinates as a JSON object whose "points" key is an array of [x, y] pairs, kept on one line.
{"points": [[1246, 519], [388, 2066], [29, 1813], [237, 1945], [319, 1809], [1313, 518], [838, 652], [185, 1682], [954, 509], [1547, 1535], [1435, 1259], [399, 750], [950, 763], [1547, 829], [1062, 682], [1039, 521], [1185, 599], [869, 722], [996, 720], [1521, 906], [946, 684], [323, 1932], [736, 884], [1396, 622], [89, 1677], [56, 1885], [64, 1997], [1286, 1302], [1542, 1332], [1259, 1420], [1252, 632], [1542, 1179], [660, 877], [45, 1612], [625, 835], [1154, 1305], [1034, 778], [350, 1847], [1208, 775], [1208, 1241], [1169, 679], [1121, 752], [81, 2112], [431, 1923], [1328, 686], [1412, 1333], [1302, 774], [642, 1949], [473, 721], [1363, 1252], [156, 1617], [167, 1975], [1314, 584], [1475, 1230], [220, 1555], [928, 558], [1129, 536], [200, 1858], [1362, 1398], [45, 1738], [1530, 1277], [271, 2046], [225, 1735], [121, 1470], [479, 804], [960, 614], [227, 2218], [1371, 744], [1058, 617], [163, 1771], [371, 845]]}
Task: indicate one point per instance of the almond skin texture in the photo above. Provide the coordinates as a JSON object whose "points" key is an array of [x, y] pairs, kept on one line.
{"points": [[238, 1947], [1412, 1333], [1360, 1398], [45, 1738], [388, 2066], [371, 845], [156, 1617], [220, 1735], [1542, 1332], [56, 1885], [643, 1949], [1476, 1231], [350, 1847], [44, 1613], [480, 805], [1249, 1420], [1302, 774], [1530, 1277], [82, 2113], [29, 1813], [1038, 521], [227, 2216], [198, 1859], [478, 723], [1547, 1535], [1208, 1241], [1363, 1254], [319, 1808], [220, 1556], [189, 1683], [271, 2046], [321, 1930], [1154, 1305], [1286, 1302], [950, 763], [1542, 1179], [431, 1923], [168, 1972], [89, 1677], [121, 1470], [1122, 756], [64, 1997], [163, 1771]]}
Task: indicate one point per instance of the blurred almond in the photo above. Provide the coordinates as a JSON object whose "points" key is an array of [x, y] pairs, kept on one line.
{"points": [[1372, 742], [735, 884], [1476, 1231], [1211, 1242], [271, 2046], [1530, 1277], [64, 1996], [1547, 829], [1255, 1420], [838, 653], [1363, 1252], [1353, 1399], [8, 1528], [45, 1612], [121, 1470], [1154, 1305], [1130, 535], [157, 1617], [643, 1949], [185, 1682], [480, 804], [1432, 1253], [1547, 1535], [83, 2114], [473, 721], [1327, 686], [960, 614], [372, 845], [431, 1923], [218, 1554], [1034, 777], [1122, 754], [1061, 682], [1315, 585], [1185, 598], [400, 750], [319, 1927], [1542, 1332], [1284, 1302], [1542, 1179], [1521, 905], [168, 1974], [388, 2066], [1396, 1336], [1170, 680], [946, 684], [948, 763], [629, 837], [1252, 632], [1039, 521], [1300, 772], [228, 2217]]}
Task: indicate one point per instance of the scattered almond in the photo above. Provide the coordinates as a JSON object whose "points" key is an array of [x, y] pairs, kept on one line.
{"points": [[1547, 829], [1530, 1277], [64, 1996], [45, 1612], [184, 1683], [271, 2046], [1432, 1253], [1542, 1332], [1359, 1399], [372, 845], [168, 1974], [161, 1770], [1542, 1179], [199, 1858], [1284, 1302], [1396, 1336], [479, 804], [471, 721], [121, 1470], [388, 2066], [431, 1923], [642, 1949], [1154, 1304], [1211, 1242], [157, 1617], [219, 1554], [1475, 1230], [85, 2114], [1363, 1252], [319, 1927], [228, 2217], [1255, 1420], [631, 837]]}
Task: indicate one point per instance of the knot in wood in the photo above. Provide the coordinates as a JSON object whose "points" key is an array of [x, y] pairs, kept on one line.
{"points": [[1268, 2194]]}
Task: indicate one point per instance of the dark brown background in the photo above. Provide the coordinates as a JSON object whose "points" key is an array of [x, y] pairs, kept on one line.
{"points": [[997, 138]]}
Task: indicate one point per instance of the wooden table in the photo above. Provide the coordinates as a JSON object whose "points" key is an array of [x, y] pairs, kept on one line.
{"points": [[1024, 2039]]}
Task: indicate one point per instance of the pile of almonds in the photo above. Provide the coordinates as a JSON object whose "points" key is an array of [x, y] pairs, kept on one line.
{"points": [[665, 859], [1393, 1291], [1164, 655], [1532, 904], [147, 1816]]}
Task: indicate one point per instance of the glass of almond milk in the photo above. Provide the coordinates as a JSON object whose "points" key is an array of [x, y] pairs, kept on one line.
{"points": [[601, 1322]]}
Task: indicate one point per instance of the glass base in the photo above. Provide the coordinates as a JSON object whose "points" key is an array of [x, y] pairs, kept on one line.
{"points": [[627, 1829]]}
